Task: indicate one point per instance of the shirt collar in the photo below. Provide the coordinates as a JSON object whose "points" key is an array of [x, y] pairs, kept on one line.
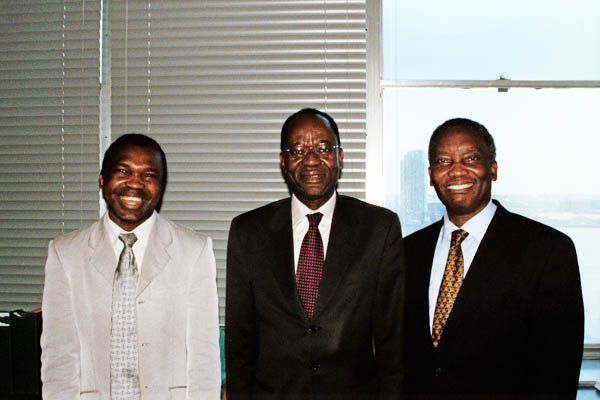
{"points": [[142, 231], [299, 210], [476, 226]]}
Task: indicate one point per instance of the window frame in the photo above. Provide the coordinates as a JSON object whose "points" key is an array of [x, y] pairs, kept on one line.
{"points": [[375, 87]]}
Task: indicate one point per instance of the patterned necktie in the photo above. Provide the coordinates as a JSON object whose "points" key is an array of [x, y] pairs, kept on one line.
{"points": [[453, 277], [310, 265], [124, 377]]}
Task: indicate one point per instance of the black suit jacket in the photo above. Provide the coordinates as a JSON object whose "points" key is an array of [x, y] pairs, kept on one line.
{"points": [[352, 347], [516, 328]]}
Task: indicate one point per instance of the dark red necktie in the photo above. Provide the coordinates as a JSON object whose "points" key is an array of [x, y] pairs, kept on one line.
{"points": [[310, 265]]}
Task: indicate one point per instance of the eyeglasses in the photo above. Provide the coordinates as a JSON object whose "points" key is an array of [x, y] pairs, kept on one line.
{"points": [[322, 150]]}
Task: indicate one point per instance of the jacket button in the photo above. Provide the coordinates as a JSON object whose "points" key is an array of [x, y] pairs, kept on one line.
{"points": [[437, 372], [313, 365], [314, 329]]}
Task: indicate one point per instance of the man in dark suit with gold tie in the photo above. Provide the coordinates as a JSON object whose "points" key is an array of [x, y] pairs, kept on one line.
{"points": [[494, 307], [315, 284]]}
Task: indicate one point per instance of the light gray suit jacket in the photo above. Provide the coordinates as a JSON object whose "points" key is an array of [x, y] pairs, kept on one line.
{"points": [[177, 316]]}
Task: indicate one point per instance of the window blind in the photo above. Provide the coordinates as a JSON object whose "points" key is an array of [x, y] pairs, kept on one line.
{"points": [[48, 135], [213, 82]]}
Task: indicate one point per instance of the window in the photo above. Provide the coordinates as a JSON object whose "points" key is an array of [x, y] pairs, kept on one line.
{"points": [[530, 72], [214, 81], [49, 138], [211, 81]]}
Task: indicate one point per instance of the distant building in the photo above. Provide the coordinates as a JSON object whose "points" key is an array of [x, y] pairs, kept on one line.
{"points": [[412, 190], [435, 212]]}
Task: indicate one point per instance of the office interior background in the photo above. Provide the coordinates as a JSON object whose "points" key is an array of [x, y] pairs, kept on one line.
{"points": [[212, 82]]}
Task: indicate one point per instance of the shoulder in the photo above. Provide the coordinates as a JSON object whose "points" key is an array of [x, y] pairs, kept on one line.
{"points": [[263, 213], [181, 235], [422, 239], [432, 230], [526, 229], [77, 238]]}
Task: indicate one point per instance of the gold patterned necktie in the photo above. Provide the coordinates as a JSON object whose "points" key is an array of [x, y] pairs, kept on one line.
{"points": [[451, 282]]}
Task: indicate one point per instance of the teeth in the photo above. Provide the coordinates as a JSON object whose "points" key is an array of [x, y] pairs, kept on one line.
{"points": [[312, 176], [459, 187], [131, 199]]}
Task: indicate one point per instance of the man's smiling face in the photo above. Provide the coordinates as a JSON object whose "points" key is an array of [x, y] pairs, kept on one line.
{"points": [[313, 177], [462, 172], [132, 186]]}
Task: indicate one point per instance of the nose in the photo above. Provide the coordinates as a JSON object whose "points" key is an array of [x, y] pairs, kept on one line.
{"points": [[457, 169], [311, 158], [135, 181]]}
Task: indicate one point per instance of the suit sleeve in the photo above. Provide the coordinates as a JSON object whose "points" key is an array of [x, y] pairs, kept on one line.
{"points": [[203, 356], [240, 334], [556, 337], [388, 315], [60, 340]]}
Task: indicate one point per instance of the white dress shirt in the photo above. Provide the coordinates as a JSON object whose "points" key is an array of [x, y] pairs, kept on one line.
{"points": [[142, 232], [300, 223], [476, 227]]}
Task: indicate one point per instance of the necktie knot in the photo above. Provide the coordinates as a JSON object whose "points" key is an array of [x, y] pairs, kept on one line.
{"points": [[128, 239], [314, 219], [457, 237]]}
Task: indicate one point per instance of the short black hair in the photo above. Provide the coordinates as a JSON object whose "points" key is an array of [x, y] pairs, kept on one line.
{"points": [[474, 128], [133, 139], [287, 125]]}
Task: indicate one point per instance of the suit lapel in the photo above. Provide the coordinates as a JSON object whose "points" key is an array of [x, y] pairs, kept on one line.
{"points": [[103, 257], [340, 253], [278, 254], [421, 260], [104, 260], [156, 257], [482, 271]]}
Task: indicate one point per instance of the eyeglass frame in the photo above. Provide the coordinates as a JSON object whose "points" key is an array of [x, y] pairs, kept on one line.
{"points": [[312, 148]]}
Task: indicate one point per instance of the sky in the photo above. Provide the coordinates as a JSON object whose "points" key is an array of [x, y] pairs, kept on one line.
{"points": [[547, 139], [483, 39]]}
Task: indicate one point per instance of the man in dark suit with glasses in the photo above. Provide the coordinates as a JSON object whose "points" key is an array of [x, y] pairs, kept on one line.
{"points": [[315, 283]]}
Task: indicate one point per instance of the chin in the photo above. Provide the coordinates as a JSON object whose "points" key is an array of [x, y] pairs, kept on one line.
{"points": [[465, 209], [317, 196]]}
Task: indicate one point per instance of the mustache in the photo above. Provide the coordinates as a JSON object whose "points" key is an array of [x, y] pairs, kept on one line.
{"points": [[133, 193]]}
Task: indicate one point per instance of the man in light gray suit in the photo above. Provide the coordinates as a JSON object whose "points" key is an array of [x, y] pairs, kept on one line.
{"points": [[160, 339]]}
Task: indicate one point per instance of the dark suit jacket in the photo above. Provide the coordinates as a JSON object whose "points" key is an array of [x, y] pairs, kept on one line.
{"points": [[352, 347], [516, 328]]}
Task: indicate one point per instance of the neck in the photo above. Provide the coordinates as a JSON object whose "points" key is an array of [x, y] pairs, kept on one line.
{"points": [[458, 220], [315, 204]]}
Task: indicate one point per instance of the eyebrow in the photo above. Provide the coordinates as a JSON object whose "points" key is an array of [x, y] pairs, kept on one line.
{"points": [[470, 149], [126, 165], [318, 142]]}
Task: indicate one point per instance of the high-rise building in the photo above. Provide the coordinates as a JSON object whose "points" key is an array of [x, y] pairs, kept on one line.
{"points": [[412, 190]]}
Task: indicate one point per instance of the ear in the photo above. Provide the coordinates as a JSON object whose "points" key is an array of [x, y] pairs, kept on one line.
{"points": [[341, 158], [494, 170], [429, 173], [100, 181], [282, 161]]}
